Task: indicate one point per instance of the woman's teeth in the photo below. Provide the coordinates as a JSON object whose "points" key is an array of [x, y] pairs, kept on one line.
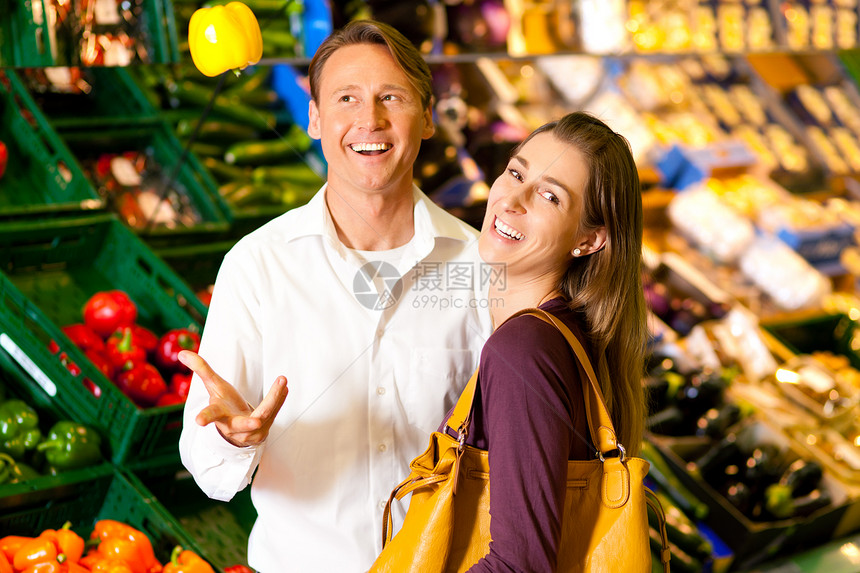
{"points": [[507, 232]]}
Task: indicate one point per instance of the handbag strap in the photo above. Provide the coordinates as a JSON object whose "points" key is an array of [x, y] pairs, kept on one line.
{"points": [[599, 421]]}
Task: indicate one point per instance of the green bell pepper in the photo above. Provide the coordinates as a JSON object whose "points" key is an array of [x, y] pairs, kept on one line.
{"points": [[19, 428], [70, 445], [15, 472]]}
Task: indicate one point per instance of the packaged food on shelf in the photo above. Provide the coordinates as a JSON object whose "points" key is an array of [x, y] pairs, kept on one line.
{"points": [[714, 227], [786, 277], [809, 383]]}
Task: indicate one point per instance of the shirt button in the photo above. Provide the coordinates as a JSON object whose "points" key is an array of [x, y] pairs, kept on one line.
{"points": [[380, 390], [382, 503], [382, 447]]}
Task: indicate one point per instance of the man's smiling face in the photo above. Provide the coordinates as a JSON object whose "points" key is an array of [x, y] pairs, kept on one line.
{"points": [[370, 121]]}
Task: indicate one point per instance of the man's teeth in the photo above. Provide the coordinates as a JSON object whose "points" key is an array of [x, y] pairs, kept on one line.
{"points": [[370, 146], [508, 232]]}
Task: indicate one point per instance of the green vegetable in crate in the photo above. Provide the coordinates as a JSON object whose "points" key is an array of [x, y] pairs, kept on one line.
{"points": [[228, 106], [12, 471], [70, 445], [215, 130], [800, 479], [289, 147], [19, 428]]}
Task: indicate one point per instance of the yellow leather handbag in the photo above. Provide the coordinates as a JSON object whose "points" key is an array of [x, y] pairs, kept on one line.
{"points": [[447, 525]]}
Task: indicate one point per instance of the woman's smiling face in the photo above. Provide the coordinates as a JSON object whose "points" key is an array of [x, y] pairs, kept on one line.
{"points": [[534, 208]]}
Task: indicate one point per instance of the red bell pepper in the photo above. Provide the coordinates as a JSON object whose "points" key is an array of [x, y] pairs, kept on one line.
{"points": [[50, 566], [238, 569], [171, 344], [111, 529], [101, 361], [10, 545], [5, 566], [4, 158], [84, 337], [144, 338], [143, 384], [33, 552], [123, 352], [106, 311], [180, 383], [169, 398], [73, 368], [94, 389], [185, 561], [205, 296]]}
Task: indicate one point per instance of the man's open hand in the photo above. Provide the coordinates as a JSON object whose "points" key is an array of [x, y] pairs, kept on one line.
{"points": [[237, 421]]}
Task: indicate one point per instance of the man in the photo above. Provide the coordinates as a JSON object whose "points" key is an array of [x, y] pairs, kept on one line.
{"points": [[368, 300]]}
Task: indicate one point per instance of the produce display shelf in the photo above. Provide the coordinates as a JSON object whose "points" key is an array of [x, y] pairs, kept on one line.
{"points": [[197, 264], [101, 97], [33, 36], [220, 529], [185, 179], [41, 175], [50, 269], [109, 496]]}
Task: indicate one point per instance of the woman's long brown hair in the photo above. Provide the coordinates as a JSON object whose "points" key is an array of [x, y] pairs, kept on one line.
{"points": [[607, 285]]}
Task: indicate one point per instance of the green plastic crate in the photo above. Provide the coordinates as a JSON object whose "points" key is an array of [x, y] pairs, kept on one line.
{"points": [[110, 496], [197, 264], [221, 529], [42, 489], [26, 34], [30, 41], [158, 140], [50, 269], [114, 98], [42, 176]]}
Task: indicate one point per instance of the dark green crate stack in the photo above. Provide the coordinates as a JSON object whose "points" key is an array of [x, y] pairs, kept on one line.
{"points": [[116, 117], [220, 529], [50, 268], [28, 34], [42, 176], [112, 495]]}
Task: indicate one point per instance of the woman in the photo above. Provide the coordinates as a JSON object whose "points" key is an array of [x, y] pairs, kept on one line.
{"points": [[565, 220]]}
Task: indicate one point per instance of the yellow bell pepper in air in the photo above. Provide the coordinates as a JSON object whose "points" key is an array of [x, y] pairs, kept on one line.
{"points": [[224, 38]]}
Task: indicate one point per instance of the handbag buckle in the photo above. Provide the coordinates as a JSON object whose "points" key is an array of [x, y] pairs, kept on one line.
{"points": [[621, 453], [462, 431]]}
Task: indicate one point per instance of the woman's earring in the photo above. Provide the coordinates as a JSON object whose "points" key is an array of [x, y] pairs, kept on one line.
{"points": [[576, 252]]}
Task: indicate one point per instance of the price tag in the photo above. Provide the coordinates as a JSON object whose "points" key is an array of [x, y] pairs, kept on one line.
{"points": [[116, 54], [60, 78], [27, 364], [107, 12], [124, 172]]}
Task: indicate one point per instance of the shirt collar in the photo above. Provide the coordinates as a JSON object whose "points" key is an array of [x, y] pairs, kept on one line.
{"points": [[431, 222]]}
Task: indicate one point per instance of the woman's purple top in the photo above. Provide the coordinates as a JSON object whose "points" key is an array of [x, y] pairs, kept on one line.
{"points": [[530, 416]]}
